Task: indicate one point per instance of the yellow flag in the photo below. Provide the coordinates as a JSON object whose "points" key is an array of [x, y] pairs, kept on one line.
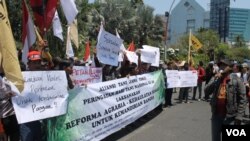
{"points": [[195, 42], [74, 33], [8, 53]]}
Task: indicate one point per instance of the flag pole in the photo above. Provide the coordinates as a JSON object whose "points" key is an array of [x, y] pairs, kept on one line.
{"points": [[189, 44], [44, 21]]}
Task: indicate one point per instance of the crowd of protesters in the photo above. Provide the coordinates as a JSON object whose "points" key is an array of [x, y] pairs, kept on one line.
{"points": [[216, 77]]}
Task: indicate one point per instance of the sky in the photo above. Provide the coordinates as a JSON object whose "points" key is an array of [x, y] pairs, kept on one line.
{"points": [[161, 6]]}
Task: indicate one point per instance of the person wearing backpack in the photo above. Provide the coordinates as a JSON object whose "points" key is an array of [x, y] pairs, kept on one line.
{"points": [[228, 100], [201, 78]]}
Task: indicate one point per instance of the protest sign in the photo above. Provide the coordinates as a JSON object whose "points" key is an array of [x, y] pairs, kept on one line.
{"points": [[188, 78], [157, 56], [178, 79], [104, 108], [108, 48], [148, 56], [45, 95], [173, 78], [85, 75], [132, 57]]}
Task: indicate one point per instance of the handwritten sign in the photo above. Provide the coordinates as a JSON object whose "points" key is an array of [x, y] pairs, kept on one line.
{"points": [[157, 56], [108, 48], [45, 95], [85, 75], [148, 56]]}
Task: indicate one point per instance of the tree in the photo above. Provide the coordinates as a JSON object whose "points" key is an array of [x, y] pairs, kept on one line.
{"points": [[209, 40], [239, 41], [134, 21], [15, 16]]}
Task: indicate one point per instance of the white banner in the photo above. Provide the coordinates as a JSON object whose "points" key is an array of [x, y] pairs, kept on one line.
{"points": [[157, 56], [85, 75], [108, 48], [132, 57], [45, 95], [180, 79], [173, 78], [188, 78], [148, 56], [104, 108]]}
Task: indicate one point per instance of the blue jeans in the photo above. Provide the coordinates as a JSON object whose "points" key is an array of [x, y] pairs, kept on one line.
{"points": [[31, 131]]}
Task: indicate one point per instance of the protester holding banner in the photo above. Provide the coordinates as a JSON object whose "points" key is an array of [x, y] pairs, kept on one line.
{"points": [[169, 91], [183, 94], [201, 77], [32, 131], [67, 66], [108, 73]]}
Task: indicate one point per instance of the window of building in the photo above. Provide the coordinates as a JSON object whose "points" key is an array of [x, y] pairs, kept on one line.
{"points": [[186, 4], [190, 25], [206, 23]]}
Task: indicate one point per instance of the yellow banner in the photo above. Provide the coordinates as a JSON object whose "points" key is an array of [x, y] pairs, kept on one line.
{"points": [[8, 54], [195, 42]]}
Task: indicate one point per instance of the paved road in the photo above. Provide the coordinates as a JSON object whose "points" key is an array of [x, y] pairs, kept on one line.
{"points": [[182, 122]]}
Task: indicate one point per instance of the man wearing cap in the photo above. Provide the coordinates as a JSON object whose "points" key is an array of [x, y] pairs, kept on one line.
{"points": [[228, 100], [31, 131], [34, 61]]}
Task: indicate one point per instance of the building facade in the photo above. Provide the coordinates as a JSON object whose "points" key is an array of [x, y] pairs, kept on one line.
{"points": [[239, 24], [186, 15], [219, 17]]}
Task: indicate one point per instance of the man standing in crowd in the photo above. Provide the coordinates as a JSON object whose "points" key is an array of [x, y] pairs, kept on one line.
{"points": [[245, 76], [228, 101], [201, 77]]}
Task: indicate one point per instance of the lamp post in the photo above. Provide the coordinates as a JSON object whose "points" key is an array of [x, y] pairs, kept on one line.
{"points": [[166, 32], [166, 35]]}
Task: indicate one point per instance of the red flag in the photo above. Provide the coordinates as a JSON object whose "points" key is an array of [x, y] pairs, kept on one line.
{"points": [[131, 47], [28, 33], [43, 14], [87, 52]]}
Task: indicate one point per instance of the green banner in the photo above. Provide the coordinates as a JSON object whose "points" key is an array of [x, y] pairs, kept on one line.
{"points": [[101, 109]]}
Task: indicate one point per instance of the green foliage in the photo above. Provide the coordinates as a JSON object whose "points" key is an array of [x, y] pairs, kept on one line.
{"points": [[134, 21], [238, 54], [209, 40], [221, 51], [239, 41], [15, 16]]}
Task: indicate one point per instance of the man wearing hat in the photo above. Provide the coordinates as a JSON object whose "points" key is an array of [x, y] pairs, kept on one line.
{"points": [[34, 61], [228, 100]]}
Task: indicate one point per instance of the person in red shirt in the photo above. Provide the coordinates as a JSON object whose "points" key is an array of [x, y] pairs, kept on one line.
{"points": [[201, 75]]}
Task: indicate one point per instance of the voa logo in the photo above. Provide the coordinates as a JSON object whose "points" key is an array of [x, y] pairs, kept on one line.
{"points": [[236, 132]]}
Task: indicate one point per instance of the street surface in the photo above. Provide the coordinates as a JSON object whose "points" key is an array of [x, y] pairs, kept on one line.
{"points": [[181, 122]]}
